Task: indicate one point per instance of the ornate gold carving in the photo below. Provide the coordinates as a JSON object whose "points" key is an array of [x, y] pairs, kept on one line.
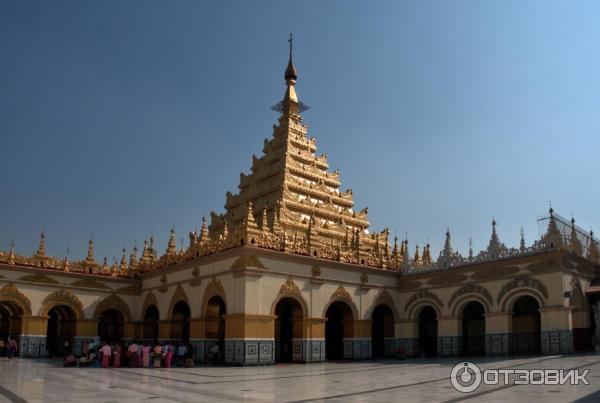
{"points": [[340, 293], [38, 278], [90, 283], [364, 278], [115, 303], [315, 271], [63, 296], [523, 282], [289, 288], [9, 292]]}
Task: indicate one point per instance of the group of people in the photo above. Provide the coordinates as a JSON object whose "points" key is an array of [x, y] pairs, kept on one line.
{"points": [[8, 348], [134, 355]]}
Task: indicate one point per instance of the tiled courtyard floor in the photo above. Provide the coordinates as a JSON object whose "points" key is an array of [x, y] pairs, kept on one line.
{"points": [[378, 381]]}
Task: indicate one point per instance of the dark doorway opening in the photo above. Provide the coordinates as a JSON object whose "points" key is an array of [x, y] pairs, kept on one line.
{"points": [[428, 328], [337, 327], [382, 327], [526, 326], [473, 329]]}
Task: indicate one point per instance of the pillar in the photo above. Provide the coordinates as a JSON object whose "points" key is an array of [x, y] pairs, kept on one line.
{"points": [[32, 342], [358, 346], [164, 330], [132, 331], [309, 346], [407, 336], [200, 344], [449, 338], [249, 339], [556, 330], [85, 331], [497, 333]]}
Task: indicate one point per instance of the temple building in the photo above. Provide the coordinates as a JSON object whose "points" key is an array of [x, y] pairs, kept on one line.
{"points": [[292, 271]]}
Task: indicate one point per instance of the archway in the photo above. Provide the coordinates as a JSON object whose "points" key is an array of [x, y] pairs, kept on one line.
{"points": [[215, 325], [526, 326], [288, 327], [110, 325], [382, 328], [150, 323], [10, 322], [180, 321], [473, 329], [337, 327], [61, 330], [428, 328]]}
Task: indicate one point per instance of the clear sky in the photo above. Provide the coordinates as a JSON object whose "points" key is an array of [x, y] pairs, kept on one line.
{"points": [[119, 119]]}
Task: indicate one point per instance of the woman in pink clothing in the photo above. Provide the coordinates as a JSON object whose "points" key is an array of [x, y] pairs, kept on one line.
{"points": [[106, 353], [117, 356], [169, 356], [146, 355]]}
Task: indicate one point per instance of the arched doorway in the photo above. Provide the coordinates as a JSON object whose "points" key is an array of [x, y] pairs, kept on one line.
{"points": [[287, 328], [337, 327], [110, 325], [428, 328], [61, 330], [10, 323], [473, 329], [215, 326], [180, 321], [382, 329], [526, 326], [150, 324]]}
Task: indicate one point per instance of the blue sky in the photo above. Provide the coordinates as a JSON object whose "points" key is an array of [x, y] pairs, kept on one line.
{"points": [[122, 119]]}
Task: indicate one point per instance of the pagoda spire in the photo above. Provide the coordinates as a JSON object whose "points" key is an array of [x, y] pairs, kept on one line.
{"points": [[172, 245], [494, 247], [446, 257], [90, 253], [203, 231], [41, 252], [575, 244], [592, 252], [290, 106], [11, 253], [123, 265], [522, 246], [133, 262], [553, 238]]}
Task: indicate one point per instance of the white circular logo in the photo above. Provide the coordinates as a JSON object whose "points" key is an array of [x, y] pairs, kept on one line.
{"points": [[465, 377]]}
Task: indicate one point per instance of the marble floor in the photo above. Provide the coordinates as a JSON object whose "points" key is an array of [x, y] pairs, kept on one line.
{"points": [[28, 380]]}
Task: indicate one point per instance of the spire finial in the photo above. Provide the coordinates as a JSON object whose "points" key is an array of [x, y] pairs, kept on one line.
{"points": [[291, 74]]}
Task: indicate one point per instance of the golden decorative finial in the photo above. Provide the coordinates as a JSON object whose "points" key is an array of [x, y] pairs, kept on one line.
{"points": [[41, 252], [90, 253], [11, 253], [123, 266], [172, 246]]}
